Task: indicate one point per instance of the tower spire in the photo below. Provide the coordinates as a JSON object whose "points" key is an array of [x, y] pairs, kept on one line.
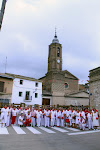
{"points": [[55, 40], [55, 33]]}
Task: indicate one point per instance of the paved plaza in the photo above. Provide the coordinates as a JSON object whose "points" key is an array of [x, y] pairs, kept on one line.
{"points": [[55, 138]]}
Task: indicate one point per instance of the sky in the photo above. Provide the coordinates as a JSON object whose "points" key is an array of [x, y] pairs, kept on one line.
{"points": [[28, 29]]}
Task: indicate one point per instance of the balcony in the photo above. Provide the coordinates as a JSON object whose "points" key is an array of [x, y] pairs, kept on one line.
{"points": [[27, 100]]}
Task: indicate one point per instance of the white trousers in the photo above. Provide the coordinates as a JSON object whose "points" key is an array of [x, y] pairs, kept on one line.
{"points": [[16, 121], [38, 122], [46, 121], [42, 121], [58, 122], [83, 126], [2, 117], [32, 121], [90, 124], [70, 120], [62, 122], [8, 119], [52, 121], [5, 118]]}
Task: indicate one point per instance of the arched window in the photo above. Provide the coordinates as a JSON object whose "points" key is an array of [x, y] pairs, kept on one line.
{"points": [[66, 85], [58, 52]]}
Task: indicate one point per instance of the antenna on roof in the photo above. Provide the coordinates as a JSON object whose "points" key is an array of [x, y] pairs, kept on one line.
{"points": [[6, 64]]}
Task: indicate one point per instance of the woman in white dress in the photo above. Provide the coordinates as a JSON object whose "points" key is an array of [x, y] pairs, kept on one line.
{"points": [[95, 119]]}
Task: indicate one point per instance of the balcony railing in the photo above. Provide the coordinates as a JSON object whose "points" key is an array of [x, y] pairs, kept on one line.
{"points": [[28, 100]]}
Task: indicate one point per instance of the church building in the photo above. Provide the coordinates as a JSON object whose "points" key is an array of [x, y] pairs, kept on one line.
{"points": [[60, 87]]}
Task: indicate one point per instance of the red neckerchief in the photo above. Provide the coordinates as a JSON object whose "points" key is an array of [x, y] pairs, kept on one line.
{"points": [[57, 110], [61, 111], [5, 107]]}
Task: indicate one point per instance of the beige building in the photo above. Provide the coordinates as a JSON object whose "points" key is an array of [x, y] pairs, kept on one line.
{"points": [[77, 99], [58, 83], [6, 84], [94, 88]]}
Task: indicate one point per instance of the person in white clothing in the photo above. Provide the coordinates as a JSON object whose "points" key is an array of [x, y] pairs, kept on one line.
{"points": [[62, 118], [28, 119], [33, 116], [52, 117], [43, 119], [26, 111], [38, 117], [9, 115], [47, 118], [95, 119], [73, 118], [5, 115], [2, 116], [83, 124], [17, 116], [20, 120], [90, 119], [77, 118], [69, 116], [14, 114], [58, 117]]}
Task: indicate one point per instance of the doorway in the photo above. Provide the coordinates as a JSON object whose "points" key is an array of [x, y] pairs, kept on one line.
{"points": [[45, 101]]}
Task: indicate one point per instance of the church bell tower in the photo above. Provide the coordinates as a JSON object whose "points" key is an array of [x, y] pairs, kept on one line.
{"points": [[55, 55]]}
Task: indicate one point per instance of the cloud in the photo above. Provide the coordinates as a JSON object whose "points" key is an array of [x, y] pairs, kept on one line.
{"points": [[28, 29]]}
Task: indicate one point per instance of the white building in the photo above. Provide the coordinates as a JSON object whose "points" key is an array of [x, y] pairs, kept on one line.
{"points": [[26, 90]]}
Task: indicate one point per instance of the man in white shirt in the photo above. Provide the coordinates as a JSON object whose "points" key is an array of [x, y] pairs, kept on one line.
{"points": [[14, 114], [52, 117], [9, 115], [5, 115]]}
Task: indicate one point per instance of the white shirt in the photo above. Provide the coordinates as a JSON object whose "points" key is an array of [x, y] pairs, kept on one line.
{"points": [[14, 112]]}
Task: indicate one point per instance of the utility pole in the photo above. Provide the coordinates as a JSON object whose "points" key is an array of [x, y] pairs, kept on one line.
{"points": [[2, 12]]}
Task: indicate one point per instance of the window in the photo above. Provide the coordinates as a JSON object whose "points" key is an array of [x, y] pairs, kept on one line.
{"points": [[1, 86], [36, 95], [27, 97], [66, 85], [21, 81], [58, 52], [20, 94], [36, 84]]}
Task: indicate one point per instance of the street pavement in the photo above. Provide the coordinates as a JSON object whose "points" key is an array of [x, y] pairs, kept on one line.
{"points": [[29, 138]]}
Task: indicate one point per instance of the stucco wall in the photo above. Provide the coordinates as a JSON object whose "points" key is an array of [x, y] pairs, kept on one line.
{"points": [[27, 86], [76, 101]]}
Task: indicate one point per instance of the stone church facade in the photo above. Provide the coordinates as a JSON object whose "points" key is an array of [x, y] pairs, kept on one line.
{"points": [[94, 88], [57, 83]]}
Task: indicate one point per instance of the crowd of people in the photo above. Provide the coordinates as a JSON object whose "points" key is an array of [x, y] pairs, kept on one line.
{"points": [[60, 117]]}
